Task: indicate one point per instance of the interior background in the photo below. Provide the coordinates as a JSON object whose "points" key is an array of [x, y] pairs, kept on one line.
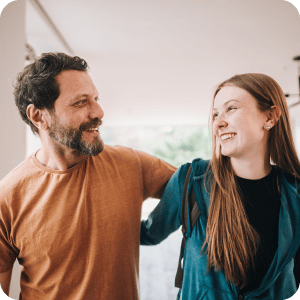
{"points": [[155, 64]]}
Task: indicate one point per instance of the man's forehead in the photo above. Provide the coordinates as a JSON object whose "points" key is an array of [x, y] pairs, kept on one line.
{"points": [[73, 82], [69, 76]]}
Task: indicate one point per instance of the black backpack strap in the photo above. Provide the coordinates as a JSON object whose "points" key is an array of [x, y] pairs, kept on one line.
{"points": [[194, 215], [185, 202]]}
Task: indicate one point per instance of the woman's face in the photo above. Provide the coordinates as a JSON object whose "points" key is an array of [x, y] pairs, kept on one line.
{"points": [[238, 124]]}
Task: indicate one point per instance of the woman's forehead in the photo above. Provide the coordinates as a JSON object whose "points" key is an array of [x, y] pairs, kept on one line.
{"points": [[230, 93]]}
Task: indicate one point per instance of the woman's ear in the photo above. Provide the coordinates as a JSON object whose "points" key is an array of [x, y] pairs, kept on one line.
{"points": [[273, 115], [38, 117]]}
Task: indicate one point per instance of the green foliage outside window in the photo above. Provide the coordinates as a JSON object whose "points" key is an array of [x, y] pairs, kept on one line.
{"points": [[174, 144], [183, 144]]}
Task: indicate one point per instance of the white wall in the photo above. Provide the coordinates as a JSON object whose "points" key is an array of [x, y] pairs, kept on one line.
{"points": [[12, 59], [12, 133]]}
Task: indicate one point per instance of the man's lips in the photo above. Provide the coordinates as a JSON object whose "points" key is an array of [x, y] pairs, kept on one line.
{"points": [[91, 126], [92, 129]]}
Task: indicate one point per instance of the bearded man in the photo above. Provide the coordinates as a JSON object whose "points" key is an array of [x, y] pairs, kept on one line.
{"points": [[70, 213]]}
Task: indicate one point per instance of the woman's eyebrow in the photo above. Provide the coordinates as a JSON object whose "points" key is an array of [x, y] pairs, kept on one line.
{"points": [[227, 103]]}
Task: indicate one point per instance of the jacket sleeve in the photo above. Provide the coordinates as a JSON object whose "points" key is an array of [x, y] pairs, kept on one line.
{"points": [[166, 217]]}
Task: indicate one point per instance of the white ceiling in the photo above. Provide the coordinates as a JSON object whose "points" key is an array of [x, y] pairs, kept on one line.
{"points": [[158, 61]]}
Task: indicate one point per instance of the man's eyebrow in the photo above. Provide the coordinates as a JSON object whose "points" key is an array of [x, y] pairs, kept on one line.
{"points": [[79, 96], [227, 103], [83, 96]]}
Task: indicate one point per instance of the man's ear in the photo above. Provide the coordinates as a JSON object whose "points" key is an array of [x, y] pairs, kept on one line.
{"points": [[273, 115], [39, 117]]}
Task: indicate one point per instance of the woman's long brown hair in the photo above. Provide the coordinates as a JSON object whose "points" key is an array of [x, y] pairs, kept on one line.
{"points": [[231, 241]]}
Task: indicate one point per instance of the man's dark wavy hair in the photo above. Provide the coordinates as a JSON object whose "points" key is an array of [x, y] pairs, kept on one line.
{"points": [[36, 84]]}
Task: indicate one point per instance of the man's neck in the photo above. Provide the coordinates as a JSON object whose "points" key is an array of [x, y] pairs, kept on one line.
{"points": [[57, 157]]}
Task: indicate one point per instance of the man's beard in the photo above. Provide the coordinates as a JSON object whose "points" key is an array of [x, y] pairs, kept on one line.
{"points": [[71, 137]]}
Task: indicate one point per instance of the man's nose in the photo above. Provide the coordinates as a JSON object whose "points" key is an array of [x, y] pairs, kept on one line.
{"points": [[96, 111]]}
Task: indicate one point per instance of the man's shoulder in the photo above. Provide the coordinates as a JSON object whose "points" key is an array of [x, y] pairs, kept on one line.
{"points": [[112, 153], [128, 157], [122, 153], [18, 175], [117, 149]]}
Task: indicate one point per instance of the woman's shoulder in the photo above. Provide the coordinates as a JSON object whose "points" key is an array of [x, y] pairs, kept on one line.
{"points": [[199, 168], [292, 179]]}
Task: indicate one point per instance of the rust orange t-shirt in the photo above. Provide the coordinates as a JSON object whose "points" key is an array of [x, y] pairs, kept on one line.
{"points": [[76, 233]]}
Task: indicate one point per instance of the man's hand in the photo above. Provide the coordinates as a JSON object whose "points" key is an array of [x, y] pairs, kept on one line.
{"points": [[5, 279]]}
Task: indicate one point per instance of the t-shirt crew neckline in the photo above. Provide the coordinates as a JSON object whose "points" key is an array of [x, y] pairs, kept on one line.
{"points": [[257, 181], [39, 165]]}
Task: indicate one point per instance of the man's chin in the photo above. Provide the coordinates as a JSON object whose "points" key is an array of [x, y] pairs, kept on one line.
{"points": [[92, 149]]}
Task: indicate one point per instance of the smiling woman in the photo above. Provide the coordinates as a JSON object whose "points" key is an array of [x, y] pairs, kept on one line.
{"points": [[245, 193], [261, 104], [239, 127]]}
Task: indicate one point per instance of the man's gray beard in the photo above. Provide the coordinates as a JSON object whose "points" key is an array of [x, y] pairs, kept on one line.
{"points": [[71, 137]]}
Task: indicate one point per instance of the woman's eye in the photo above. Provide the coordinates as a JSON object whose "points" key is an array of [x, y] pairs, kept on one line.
{"points": [[215, 116], [231, 108]]}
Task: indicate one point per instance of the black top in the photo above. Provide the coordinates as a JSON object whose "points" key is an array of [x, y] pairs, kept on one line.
{"points": [[261, 200]]}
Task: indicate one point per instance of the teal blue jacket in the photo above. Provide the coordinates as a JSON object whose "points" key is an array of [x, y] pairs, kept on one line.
{"points": [[279, 282]]}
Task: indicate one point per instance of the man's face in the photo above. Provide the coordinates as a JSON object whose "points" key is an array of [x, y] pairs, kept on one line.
{"points": [[77, 114]]}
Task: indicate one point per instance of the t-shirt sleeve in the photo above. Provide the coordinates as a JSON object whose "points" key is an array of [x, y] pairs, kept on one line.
{"points": [[155, 173], [7, 252]]}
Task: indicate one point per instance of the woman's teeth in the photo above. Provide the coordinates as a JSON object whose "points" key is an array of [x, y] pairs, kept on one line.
{"points": [[227, 136]]}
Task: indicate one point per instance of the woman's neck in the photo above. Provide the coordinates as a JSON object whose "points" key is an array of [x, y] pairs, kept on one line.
{"points": [[251, 169]]}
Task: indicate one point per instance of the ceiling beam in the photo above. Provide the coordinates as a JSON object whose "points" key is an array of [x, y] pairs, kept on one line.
{"points": [[40, 9]]}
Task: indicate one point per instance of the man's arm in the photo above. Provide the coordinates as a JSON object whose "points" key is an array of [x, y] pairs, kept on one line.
{"points": [[156, 174], [5, 279], [166, 217]]}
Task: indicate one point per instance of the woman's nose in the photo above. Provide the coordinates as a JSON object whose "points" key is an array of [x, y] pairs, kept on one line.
{"points": [[219, 123]]}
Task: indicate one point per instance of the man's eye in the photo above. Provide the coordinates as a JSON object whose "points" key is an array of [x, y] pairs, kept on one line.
{"points": [[81, 102]]}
